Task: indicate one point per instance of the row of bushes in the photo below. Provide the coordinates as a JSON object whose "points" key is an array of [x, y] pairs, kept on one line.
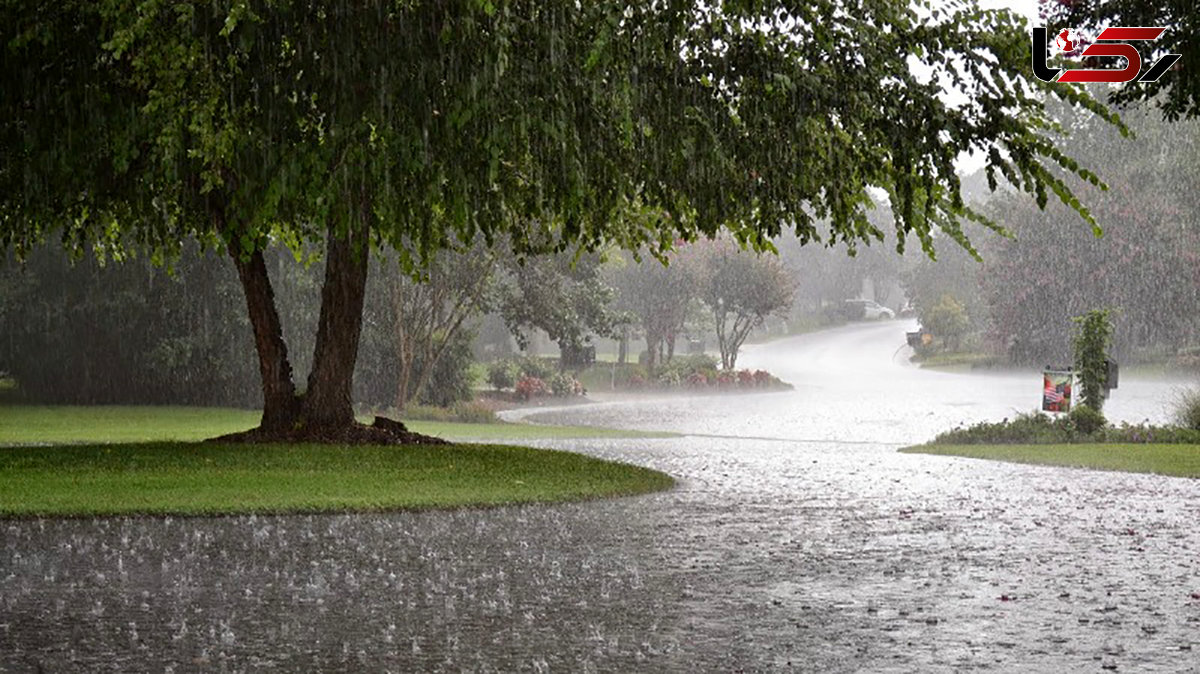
{"points": [[744, 379], [699, 372], [696, 372], [531, 377], [560, 385], [504, 374], [1083, 424]]}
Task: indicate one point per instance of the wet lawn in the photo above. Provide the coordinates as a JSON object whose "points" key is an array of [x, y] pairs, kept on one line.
{"points": [[1178, 460], [212, 478], [37, 424]]}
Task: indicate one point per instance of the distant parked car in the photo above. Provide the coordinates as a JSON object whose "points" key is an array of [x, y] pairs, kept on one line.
{"points": [[868, 310]]}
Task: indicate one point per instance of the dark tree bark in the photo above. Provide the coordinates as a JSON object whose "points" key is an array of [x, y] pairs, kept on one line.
{"points": [[280, 407], [327, 404], [324, 414]]}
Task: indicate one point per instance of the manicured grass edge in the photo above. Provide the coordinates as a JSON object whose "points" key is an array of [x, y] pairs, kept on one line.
{"points": [[1174, 460], [79, 481], [63, 425]]}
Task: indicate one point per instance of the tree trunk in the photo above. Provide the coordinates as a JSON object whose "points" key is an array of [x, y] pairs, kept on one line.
{"points": [[722, 340], [401, 400], [404, 353], [327, 404], [280, 406]]}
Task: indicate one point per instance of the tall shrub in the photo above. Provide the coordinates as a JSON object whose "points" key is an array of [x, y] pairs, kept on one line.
{"points": [[1093, 335]]}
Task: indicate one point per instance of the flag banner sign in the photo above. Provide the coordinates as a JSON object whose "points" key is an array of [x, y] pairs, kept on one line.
{"points": [[1056, 390]]}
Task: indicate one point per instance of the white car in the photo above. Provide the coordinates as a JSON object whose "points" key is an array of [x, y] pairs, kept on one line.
{"points": [[867, 310]]}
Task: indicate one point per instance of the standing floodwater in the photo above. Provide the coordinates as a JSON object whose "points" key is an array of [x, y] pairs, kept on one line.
{"points": [[826, 551], [855, 384]]}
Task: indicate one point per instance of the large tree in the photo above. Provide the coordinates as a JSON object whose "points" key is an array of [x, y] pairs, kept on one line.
{"points": [[409, 124]]}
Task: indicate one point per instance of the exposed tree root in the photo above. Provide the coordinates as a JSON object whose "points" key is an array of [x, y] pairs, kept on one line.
{"points": [[383, 432]]}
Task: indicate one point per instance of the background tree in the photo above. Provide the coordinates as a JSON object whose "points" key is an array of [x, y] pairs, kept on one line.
{"points": [[1147, 263], [659, 295], [954, 273], [741, 289], [947, 320], [563, 295], [128, 333], [429, 313], [411, 125], [826, 276]]}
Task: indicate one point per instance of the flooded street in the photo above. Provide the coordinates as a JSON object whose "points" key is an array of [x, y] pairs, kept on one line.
{"points": [[855, 384], [797, 540]]}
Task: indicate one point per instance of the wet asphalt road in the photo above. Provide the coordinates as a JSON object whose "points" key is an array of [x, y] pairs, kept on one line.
{"points": [[819, 550]]}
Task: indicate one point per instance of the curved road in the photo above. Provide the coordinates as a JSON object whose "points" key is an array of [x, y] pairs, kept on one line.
{"points": [[823, 551], [855, 384]]}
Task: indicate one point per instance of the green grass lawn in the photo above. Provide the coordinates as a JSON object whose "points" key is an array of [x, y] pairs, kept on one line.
{"points": [[145, 460], [211, 478], [1164, 459], [30, 424]]}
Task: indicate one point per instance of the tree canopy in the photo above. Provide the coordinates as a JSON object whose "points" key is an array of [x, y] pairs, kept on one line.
{"points": [[544, 120]]}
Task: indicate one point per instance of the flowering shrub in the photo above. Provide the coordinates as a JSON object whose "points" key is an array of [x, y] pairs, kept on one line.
{"points": [[530, 387], [669, 378], [695, 374], [563, 385]]}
